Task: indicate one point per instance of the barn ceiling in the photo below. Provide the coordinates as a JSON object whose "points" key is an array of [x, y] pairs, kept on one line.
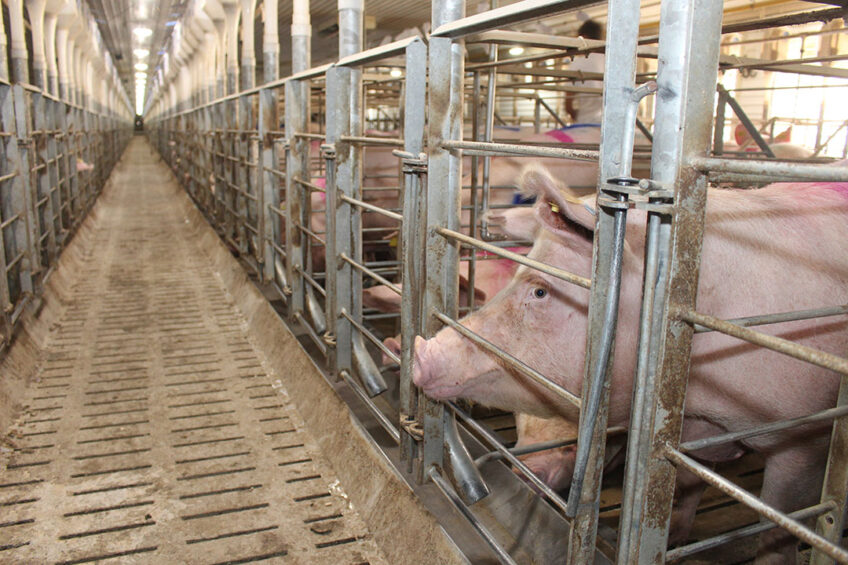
{"points": [[120, 20]]}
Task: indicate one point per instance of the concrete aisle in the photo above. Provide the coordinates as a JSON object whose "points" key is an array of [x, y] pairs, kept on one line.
{"points": [[152, 433]]}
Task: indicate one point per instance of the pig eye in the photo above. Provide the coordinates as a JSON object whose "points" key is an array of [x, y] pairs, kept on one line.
{"points": [[540, 292]]}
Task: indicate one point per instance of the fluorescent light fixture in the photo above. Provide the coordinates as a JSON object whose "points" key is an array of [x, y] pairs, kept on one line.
{"points": [[516, 51], [396, 73], [141, 66], [141, 53], [143, 32], [142, 76]]}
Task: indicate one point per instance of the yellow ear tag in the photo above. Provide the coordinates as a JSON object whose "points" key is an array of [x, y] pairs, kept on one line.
{"points": [[393, 242], [554, 208]]}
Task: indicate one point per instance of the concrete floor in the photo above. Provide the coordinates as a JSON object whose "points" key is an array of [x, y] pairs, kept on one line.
{"points": [[152, 431]]}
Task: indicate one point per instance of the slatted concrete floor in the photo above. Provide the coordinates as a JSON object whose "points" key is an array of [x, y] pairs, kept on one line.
{"points": [[152, 433]]}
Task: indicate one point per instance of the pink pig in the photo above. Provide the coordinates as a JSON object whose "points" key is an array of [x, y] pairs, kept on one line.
{"points": [[776, 249]]}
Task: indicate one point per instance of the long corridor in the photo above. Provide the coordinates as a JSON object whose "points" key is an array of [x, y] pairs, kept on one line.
{"points": [[153, 432]]}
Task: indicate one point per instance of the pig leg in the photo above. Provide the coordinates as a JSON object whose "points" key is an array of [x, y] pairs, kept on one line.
{"points": [[688, 490], [792, 480]]}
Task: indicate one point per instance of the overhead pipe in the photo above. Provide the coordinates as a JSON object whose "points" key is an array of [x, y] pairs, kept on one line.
{"points": [[301, 34], [231, 13], [35, 8], [248, 48], [20, 71], [271, 43]]}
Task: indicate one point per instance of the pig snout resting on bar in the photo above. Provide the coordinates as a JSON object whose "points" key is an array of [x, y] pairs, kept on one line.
{"points": [[82, 166], [776, 249]]}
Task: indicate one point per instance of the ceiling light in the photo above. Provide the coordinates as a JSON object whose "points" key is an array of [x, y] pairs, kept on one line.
{"points": [[516, 51], [142, 76], [396, 73], [143, 32], [141, 53], [141, 66]]}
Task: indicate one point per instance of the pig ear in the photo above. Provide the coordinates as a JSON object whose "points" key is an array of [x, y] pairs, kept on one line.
{"points": [[557, 209]]}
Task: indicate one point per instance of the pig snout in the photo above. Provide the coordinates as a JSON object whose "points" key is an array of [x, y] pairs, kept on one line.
{"points": [[435, 369], [555, 468]]}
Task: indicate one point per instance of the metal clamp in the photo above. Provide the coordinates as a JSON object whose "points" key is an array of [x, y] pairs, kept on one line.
{"points": [[412, 426], [328, 151], [412, 164]]}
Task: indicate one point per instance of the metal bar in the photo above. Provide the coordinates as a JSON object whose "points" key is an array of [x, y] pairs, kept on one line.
{"points": [[782, 317], [793, 171], [375, 54], [311, 234], [835, 488], [513, 361], [372, 140], [745, 120], [311, 186], [507, 15], [509, 455], [828, 414], [483, 148], [779, 518], [747, 531], [688, 56], [372, 208], [796, 350], [316, 339], [373, 339], [371, 273], [478, 526], [413, 237], [495, 250], [381, 418]]}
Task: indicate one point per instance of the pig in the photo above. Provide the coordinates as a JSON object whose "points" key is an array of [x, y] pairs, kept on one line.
{"points": [[774, 249], [82, 166]]}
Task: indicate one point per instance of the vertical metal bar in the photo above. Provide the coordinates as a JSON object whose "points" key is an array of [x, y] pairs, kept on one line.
{"points": [[270, 190], [690, 33], [7, 166], [718, 128], [25, 230], [41, 182], [412, 241], [444, 178], [241, 143], [835, 489], [617, 134], [338, 218], [297, 167]]}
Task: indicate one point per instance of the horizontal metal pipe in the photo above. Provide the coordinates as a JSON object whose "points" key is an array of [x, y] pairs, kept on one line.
{"points": [[824, 415], [372, 338], [311, 281], [10, 176], [506, 15], [311, 234], [371, 273], [779, 518], [513, 361], [505, 454], [310, 186], [796, 350], [747, 531], [275, 172], [393, 49], [782, 317], [752, 166], [457, 503], [373, 208], [373, 140], [381, 418], [541, 446], [538, 265], [517, 149]]}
